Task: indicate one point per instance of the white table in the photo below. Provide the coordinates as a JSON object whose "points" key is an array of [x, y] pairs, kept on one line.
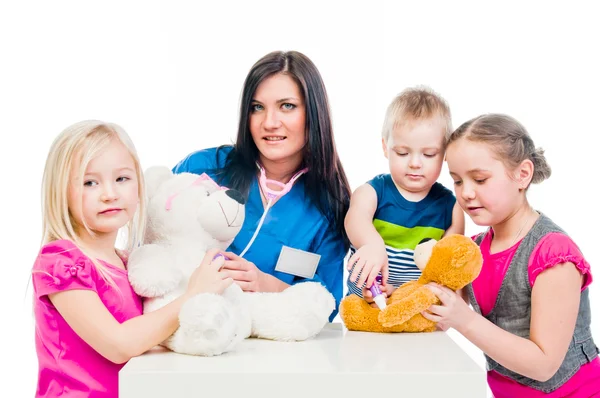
{"points": [[336, 363]]}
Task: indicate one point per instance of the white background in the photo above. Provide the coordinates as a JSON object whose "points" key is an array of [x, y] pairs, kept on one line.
{"points": [[171, 74]]}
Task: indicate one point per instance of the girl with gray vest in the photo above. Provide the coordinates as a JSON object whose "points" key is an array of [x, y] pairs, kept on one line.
{"points": [[532, 312]]}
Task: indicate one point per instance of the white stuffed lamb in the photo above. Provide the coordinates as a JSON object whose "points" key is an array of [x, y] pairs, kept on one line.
{"points": [[187, 215]]}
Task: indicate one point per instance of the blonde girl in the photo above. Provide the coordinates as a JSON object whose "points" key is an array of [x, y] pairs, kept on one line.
{"points": [[89, 321]]}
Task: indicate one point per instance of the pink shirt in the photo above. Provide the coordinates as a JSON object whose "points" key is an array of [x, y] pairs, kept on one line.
{"points": [[554, 248], [68, 366]]}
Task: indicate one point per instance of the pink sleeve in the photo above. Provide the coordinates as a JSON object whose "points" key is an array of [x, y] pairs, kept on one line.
{"points": [[62, 266], [557, 248]]}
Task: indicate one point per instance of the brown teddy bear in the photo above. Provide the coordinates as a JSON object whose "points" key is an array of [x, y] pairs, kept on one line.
{"points": [[454, 261]]}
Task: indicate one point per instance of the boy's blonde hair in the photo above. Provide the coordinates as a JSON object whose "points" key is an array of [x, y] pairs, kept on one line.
{"points": [[417, 103], [81, 142]]}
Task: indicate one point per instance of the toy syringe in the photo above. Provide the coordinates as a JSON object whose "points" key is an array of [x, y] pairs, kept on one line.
{"points": [[378, 296]]}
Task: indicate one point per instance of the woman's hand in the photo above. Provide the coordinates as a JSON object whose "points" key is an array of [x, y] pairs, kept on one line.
{"points": [[244, 273], [454, 311], [208, 277]]}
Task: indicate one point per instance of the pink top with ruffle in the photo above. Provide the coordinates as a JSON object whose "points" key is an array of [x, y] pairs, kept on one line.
{"points": [[554, 248], [68, 366]]}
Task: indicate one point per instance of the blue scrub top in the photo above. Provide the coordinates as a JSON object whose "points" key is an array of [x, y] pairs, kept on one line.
{"points": [[293, 221]]}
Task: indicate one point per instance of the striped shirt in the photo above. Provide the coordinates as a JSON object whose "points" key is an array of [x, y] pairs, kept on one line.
{"points": [[403, 224]]}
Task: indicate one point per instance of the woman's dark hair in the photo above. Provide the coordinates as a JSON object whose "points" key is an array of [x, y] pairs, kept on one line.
{"points": [[326, 183]]}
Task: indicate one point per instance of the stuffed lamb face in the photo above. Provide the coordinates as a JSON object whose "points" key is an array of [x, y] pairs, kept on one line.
{"points": [[187, 205]]}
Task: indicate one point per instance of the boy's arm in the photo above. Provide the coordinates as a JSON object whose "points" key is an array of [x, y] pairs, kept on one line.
{"points": [[458, 221], [359, 219], [370, 256]]}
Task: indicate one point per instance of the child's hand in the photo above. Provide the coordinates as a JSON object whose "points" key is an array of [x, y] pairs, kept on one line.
{"points": [[454, 311], [208, 277], [387, 290], [371, 259]]}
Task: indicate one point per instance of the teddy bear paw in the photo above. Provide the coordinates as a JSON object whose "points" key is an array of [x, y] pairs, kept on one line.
{"points": [[299, 313], [207, 326]]}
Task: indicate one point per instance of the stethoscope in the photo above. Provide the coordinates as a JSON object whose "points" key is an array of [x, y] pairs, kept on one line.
{"points": [[263, 182], [271, 195]]}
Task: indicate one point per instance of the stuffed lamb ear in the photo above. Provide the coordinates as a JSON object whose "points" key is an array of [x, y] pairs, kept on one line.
{"points": [[154, 177]]}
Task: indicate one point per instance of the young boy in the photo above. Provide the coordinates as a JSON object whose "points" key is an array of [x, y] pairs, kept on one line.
{"points": [[392, 213]]}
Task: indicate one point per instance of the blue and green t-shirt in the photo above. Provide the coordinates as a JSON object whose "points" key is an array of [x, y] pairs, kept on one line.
{"points": [[403, 224]]}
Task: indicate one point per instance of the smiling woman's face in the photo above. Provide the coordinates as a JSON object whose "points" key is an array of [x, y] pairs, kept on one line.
{"points": [[278, 120]]}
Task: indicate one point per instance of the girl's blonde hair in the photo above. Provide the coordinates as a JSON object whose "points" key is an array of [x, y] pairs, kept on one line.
{"points": [[508, 139], [81, 142]]}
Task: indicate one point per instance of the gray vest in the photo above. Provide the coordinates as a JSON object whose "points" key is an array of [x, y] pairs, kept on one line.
{"points": [[512, 312]]}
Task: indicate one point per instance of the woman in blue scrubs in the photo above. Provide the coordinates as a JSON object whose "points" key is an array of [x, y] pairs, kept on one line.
{"points": [[284, 127]]}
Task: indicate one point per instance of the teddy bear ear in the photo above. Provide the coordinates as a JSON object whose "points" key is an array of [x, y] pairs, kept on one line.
{"points": [[461, 253], [154, 177]]}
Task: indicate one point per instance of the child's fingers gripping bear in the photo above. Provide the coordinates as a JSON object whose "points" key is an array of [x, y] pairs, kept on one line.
{"points": [[208, 277], [386, 289]]}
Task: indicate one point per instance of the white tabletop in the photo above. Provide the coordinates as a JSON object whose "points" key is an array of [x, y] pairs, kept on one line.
{"points": [[335, 362]]}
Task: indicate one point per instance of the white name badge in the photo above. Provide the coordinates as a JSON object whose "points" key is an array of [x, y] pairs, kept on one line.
{"points": [[297, 262]]}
